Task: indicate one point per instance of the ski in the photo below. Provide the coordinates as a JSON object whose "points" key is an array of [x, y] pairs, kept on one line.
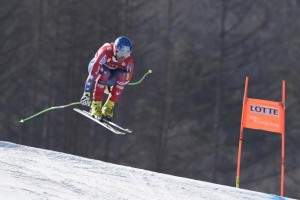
{"points": [[117, 126], [106, 124]]}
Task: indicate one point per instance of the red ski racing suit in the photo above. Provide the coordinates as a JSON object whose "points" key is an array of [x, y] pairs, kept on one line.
{"points": [[104, 69]]}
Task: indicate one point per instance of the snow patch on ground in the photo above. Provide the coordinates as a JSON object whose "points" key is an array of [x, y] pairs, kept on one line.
{"points": [[30, 173]]}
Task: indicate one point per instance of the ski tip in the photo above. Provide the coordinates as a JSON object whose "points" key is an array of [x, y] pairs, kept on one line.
{"points": [[150, 71], [21, 121]]}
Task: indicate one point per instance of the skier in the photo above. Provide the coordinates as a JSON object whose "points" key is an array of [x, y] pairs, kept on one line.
{"points": [[111, 68]]}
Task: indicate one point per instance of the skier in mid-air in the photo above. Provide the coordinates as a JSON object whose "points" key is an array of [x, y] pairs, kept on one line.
{"points": [[111, 68]]}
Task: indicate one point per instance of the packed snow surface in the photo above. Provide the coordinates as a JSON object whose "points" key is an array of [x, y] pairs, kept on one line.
{"points": [[29, 173]]}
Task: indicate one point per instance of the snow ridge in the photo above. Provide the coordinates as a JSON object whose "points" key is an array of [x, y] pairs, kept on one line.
{"points": [[30, 173]]}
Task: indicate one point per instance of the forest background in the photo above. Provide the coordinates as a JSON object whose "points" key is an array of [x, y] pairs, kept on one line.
{"points": [[186, 115]]}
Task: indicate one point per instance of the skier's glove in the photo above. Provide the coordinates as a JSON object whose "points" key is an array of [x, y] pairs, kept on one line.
{"points": [[128, 70], [86, 99]]}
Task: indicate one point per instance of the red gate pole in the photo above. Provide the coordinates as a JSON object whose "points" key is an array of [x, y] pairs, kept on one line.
{"points": [[283, 140], [237, 181]]}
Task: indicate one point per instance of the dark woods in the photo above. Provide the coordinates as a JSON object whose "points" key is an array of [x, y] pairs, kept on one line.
{"points": [[186, 115]]}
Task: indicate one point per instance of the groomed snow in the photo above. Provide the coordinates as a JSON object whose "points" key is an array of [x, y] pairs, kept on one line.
{"points": [[31, 173]]}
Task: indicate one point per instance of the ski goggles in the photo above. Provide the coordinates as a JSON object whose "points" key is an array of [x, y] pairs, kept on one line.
{"points": [[125, 52], [122, 54]]}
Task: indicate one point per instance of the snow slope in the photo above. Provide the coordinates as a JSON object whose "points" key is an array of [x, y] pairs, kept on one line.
{"points": [[31, 173]]}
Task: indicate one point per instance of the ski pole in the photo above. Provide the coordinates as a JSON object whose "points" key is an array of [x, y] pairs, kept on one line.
{"points": [[138, 82], [76, 103], [48, 109]]}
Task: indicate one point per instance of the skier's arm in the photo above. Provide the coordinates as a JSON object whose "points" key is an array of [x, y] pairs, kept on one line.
{"points": [[100, 58]]}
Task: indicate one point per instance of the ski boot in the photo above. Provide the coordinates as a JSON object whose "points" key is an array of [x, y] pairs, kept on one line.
{"points": [[107, 110], [96, 109]]}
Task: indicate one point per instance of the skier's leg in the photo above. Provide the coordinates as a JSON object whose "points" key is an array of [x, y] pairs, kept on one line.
{"points": [[119, 84], [110, 82], [99, 91], [101, 83]]}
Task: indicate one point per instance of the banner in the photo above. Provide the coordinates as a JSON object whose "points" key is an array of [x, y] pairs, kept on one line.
{"points": [[263, 115]]}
